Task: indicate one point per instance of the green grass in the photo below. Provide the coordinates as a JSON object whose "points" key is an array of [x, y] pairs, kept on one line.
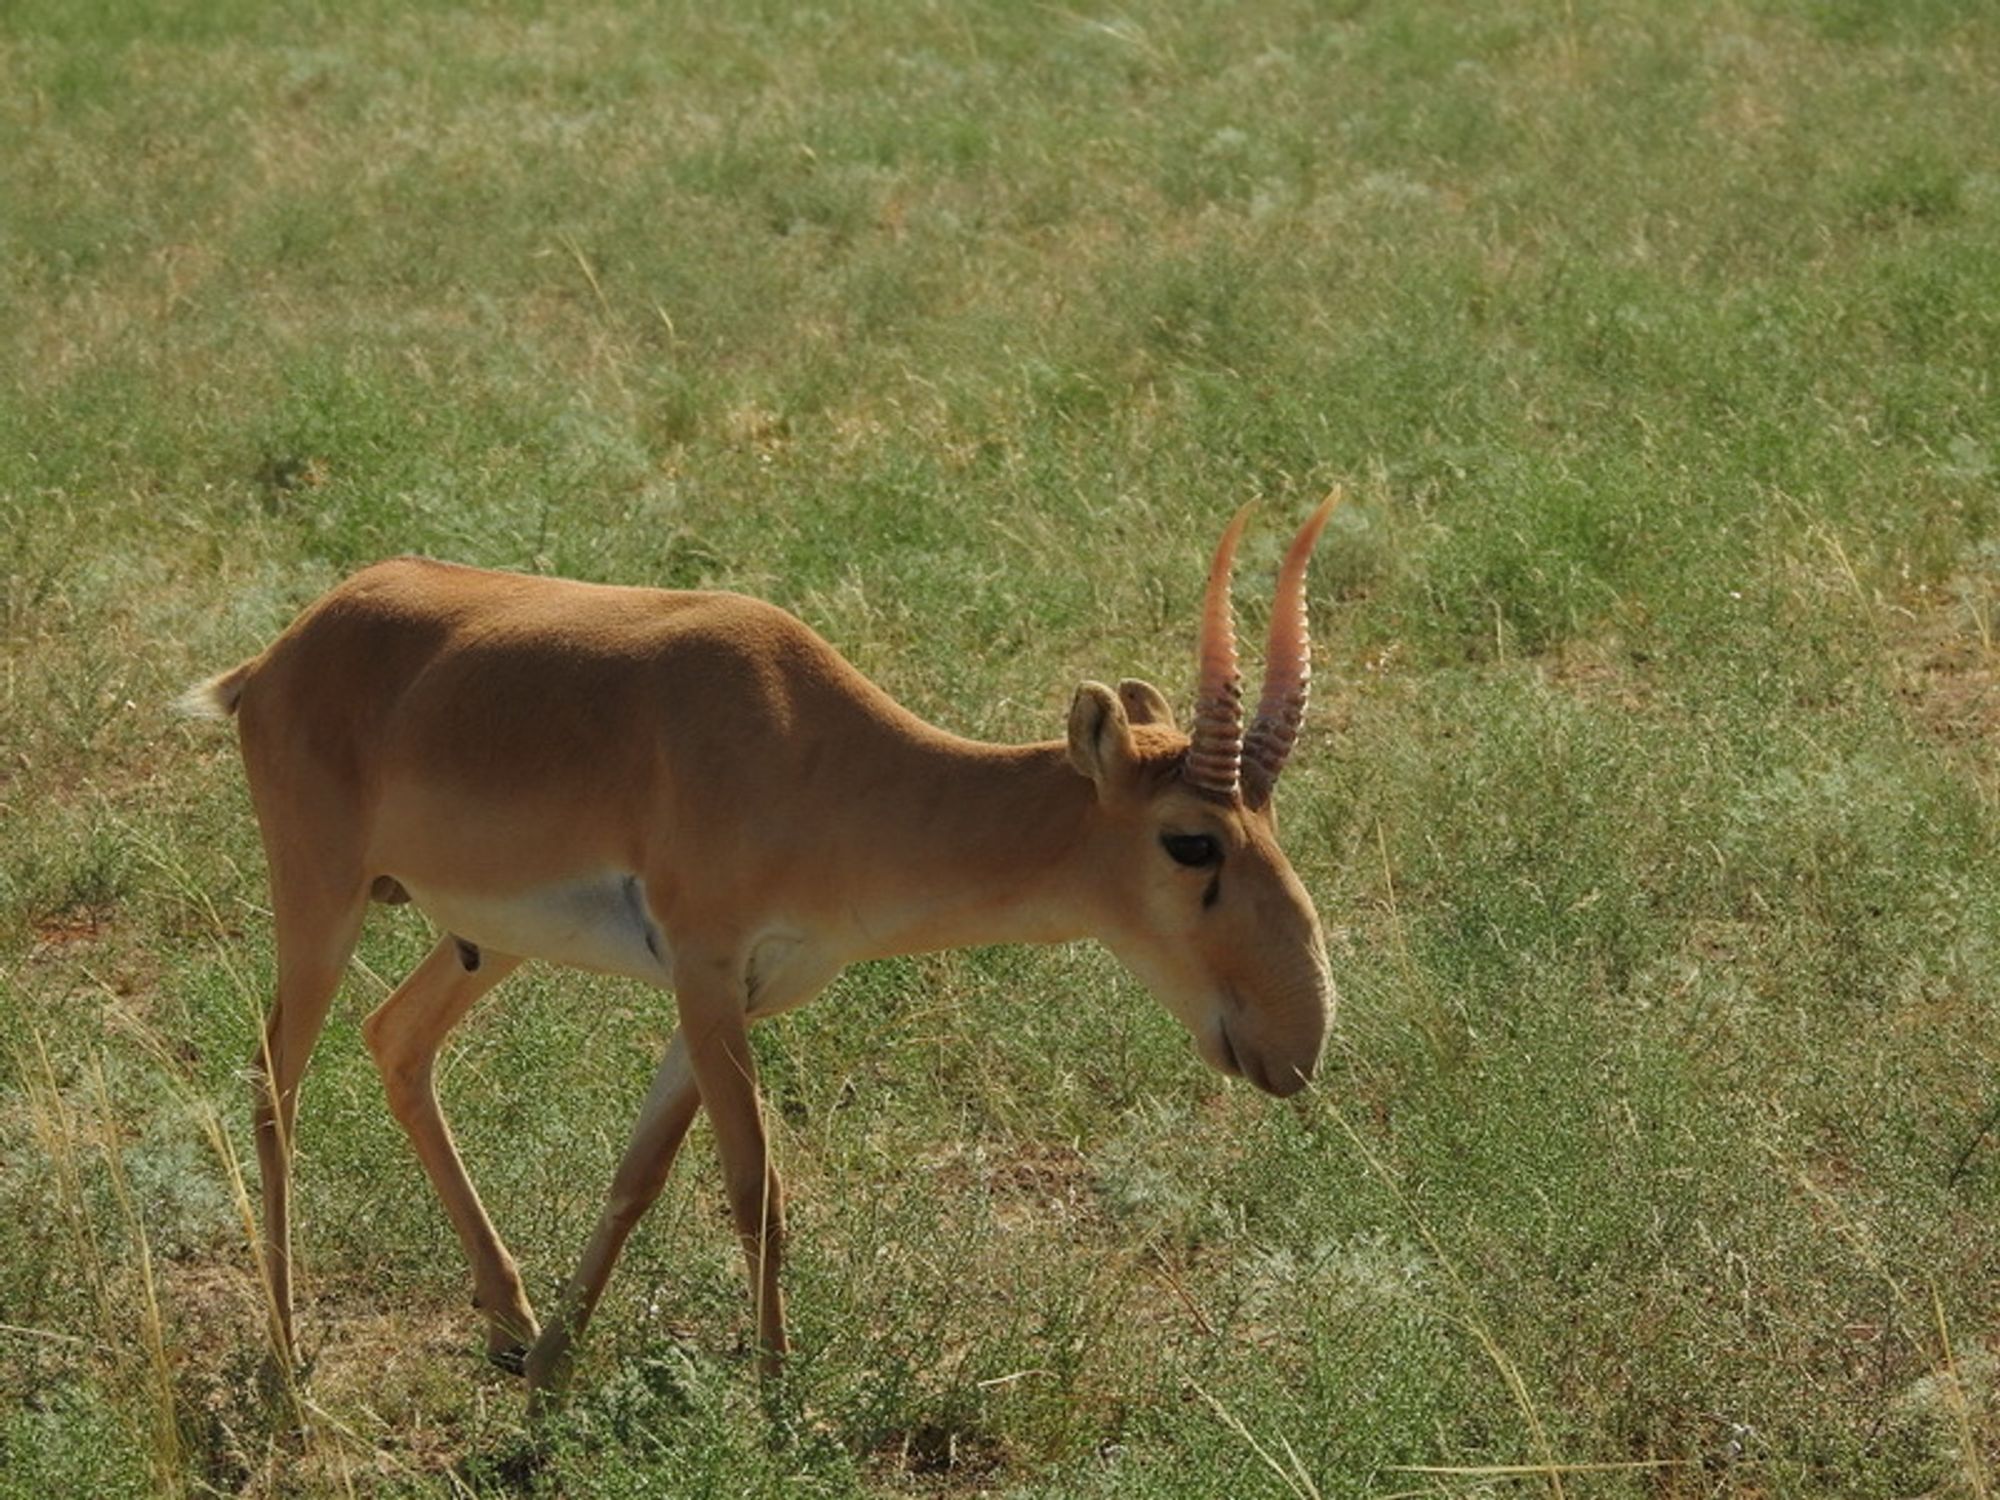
{"points": [[1649, 795]]}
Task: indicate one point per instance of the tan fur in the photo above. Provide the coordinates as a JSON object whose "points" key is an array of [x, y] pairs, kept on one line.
{"points": [[697, 781]]}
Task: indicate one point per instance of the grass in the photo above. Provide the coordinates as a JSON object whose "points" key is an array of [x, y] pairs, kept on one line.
{"points": [[1649, 795]]}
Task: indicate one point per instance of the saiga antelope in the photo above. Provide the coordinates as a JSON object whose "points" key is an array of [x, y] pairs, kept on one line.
{"points": [[696, 790]]}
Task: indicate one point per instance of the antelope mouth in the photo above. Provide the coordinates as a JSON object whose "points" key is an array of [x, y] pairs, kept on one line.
{"points": [[1281, 1085], [1228, 1059]]}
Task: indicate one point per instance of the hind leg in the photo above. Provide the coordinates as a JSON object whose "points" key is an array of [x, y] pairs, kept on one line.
{"points": [[316, 933], [404, 1035]]}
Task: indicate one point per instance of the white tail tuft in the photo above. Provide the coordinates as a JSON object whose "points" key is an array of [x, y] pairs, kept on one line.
{"points": [[216, 698]]}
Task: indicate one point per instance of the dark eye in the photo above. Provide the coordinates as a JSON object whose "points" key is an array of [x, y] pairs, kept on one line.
{"points": [[1195, 850]]}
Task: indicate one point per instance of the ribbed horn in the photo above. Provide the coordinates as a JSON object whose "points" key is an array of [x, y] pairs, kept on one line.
{"points": [[1216, 751], [1281, 707]]}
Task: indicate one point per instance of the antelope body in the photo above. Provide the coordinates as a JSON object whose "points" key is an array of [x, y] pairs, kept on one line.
{"points": [[696, 790]]}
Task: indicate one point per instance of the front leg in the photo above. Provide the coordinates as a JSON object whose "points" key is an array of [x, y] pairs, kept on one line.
{"points": [[669, 1109]]}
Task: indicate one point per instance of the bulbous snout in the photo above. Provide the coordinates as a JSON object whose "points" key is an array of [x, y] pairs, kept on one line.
{"points": [[1276, 1048]]}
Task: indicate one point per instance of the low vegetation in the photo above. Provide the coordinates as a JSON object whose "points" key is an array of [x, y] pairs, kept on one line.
{"points": [[1649, 793]]}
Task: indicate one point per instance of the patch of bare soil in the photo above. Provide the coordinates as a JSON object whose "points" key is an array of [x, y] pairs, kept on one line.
{"points": [[1594, 671], [1027, 1182], [60, 931], [941, 1459], [1947, 672], [384, 1400]]}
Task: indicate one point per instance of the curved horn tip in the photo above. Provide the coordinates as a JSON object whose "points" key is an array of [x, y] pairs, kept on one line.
{"points": [[1225, 549], [1281, 708], [1308, 534]]}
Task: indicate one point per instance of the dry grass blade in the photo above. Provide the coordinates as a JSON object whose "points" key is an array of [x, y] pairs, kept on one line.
{"points": [[1467, 1314], [51, 1336], [165, 1451], [1294, 1478], [1529, 1471], [1972, 1460]]}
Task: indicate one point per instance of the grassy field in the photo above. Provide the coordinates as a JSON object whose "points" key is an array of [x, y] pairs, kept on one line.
{"points": [[1649, 794]]}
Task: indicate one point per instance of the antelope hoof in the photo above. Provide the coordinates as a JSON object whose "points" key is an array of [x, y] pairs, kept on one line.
{"points": [[511, 1357], [547, 1367], [509, 1334]]}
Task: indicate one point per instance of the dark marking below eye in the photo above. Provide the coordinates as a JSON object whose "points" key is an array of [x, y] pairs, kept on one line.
{"points": [[1213, 894], [468, 955]]}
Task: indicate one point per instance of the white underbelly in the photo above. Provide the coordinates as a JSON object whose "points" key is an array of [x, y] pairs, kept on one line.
{"points": [[599, 922]]}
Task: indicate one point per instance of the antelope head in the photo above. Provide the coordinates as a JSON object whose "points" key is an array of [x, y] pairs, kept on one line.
{"points": [[1204, 907]]}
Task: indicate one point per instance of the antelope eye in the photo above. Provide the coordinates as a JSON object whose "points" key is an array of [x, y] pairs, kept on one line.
{"points": [[1195, 850]]}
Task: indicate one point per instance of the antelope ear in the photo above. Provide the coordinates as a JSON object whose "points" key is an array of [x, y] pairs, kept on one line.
{"points": [[1100, 736], [1144, 703]]}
